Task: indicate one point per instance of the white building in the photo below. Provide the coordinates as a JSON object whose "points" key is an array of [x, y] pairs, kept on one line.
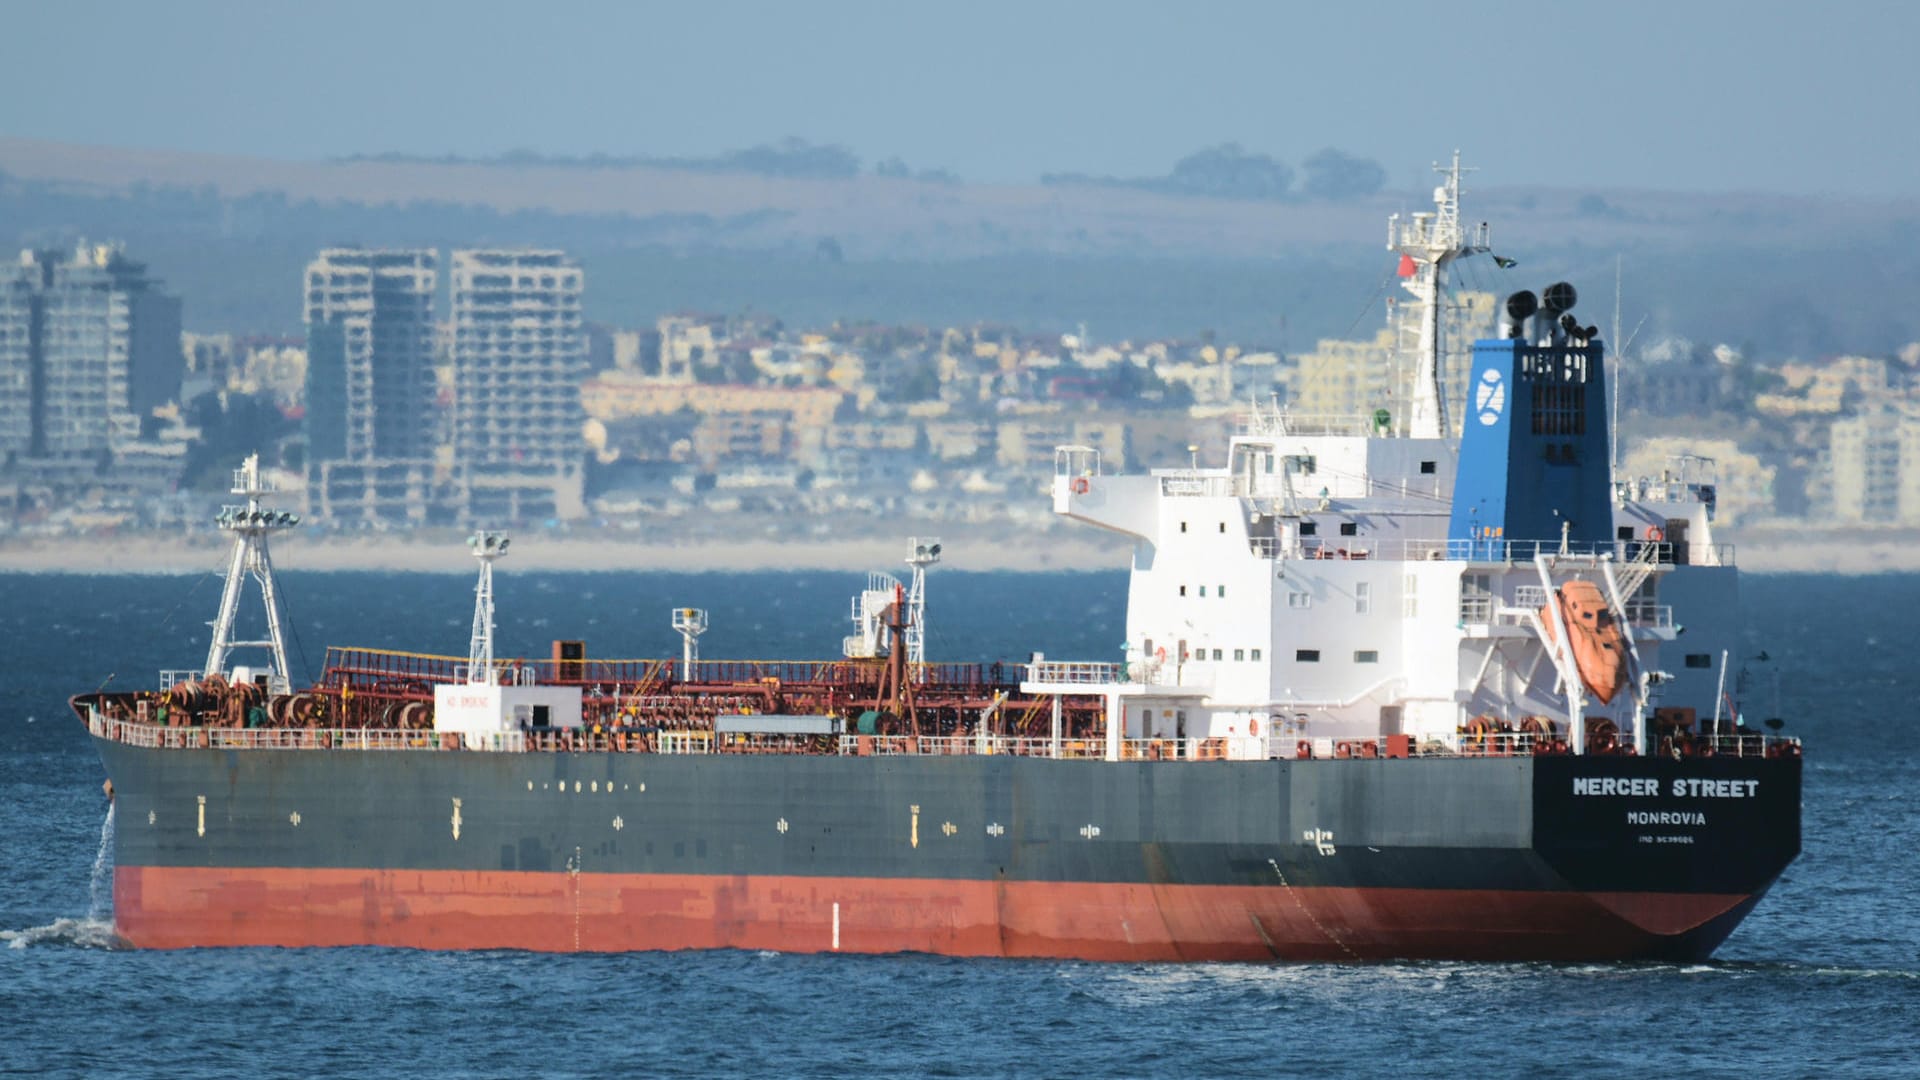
{"points": [[519, 356]]}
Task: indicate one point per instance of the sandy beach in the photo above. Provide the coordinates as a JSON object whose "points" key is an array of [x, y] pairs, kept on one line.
{"points": [[1771, 550], [534, 551]]}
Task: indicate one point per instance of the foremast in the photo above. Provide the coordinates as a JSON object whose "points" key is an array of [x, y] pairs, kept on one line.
{"points": [[250, 524], [487, 547], [1428, 242]]}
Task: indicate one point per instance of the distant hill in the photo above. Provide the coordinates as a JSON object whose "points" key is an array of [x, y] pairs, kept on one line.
{"points": [[1781, 275]]}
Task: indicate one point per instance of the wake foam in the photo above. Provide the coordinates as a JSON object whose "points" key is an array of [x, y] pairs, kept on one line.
{"points": [[78, 933], [95, 930]]}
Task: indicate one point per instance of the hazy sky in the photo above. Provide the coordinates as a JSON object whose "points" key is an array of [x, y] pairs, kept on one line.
{"points": [[1675, 94]]}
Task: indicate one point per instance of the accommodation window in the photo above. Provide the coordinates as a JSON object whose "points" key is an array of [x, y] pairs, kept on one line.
{"points": [[1476, 599], [1223, 526], [1183, 590], [1308, 528], [1256, 654], [1217, 655], [1623, 532], [1299, 600], [1366, 656], [1362, 598], [1426, 468], [1306, 656], [1410, 597], [1183, 526], [1699, 660], [1239, 654], [1220, 591], [1203, 590], [1349, 528]]}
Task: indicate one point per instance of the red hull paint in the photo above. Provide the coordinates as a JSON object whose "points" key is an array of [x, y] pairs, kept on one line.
{"points": [[180, 907]]}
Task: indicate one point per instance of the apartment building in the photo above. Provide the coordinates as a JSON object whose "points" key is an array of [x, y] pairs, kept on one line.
{"points": [[519, 354], [370, 336], [89, 346]]}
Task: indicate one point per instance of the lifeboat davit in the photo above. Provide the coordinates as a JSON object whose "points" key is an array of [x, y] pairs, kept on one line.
{"points": [[1598, 649]]}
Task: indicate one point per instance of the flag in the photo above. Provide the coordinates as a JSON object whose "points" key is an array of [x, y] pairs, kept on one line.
{"points": [[1407, 268], [1505, 263]]}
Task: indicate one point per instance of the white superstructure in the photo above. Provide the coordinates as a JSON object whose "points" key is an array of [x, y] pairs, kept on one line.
{"points": [[1305, 596]]}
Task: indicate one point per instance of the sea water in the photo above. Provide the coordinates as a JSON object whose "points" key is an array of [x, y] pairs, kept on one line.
{"points": [[1822, 979]]}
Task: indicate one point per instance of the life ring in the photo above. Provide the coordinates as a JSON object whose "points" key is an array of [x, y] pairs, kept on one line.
{"points": [[1303, 749], [1656, 534], [1160, 654], [1253, 726], [1081, 486]]}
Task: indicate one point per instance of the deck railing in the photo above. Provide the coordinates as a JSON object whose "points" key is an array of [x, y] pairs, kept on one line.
{"points": [[1499, 744], [1505, 552]]}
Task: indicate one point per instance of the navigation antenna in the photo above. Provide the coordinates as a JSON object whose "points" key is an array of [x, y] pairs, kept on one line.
{"points": [[250, 525], [1614, 373], [487, 546], [925, 551], [691, 622], [1428, 242]]}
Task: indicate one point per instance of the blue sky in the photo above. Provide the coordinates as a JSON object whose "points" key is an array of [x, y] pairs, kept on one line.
{"points": [[1701, 95]]}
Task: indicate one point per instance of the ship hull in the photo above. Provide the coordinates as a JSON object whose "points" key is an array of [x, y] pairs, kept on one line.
{"points": [[1516, 858]]}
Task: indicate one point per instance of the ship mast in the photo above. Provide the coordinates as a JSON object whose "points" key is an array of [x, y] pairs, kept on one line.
{"points": [[250, 524], [487, 546], [925, 552], [1428, 242]]}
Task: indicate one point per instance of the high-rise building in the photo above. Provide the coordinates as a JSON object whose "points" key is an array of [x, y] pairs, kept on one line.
{"points": [[1875, 462], [89, 346], [519, 356], [370, 335]]}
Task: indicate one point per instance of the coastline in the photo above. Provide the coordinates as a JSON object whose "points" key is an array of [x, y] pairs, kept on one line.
{"points": [[971, 549], [1775, 549]]}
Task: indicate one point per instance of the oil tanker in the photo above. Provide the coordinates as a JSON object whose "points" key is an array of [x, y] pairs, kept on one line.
{"points": [[1387, 693]]}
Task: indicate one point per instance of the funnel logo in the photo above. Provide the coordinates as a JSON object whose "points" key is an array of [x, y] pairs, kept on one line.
{"points": [[1490, 397]]}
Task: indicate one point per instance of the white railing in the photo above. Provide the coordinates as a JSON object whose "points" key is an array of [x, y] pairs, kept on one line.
{"points": [[1193, 484], [1280, 422], [171, 677], [1266, 745], [1083, 749], [1503, 552], [686, 742], [214, 738], [1075, 672]]}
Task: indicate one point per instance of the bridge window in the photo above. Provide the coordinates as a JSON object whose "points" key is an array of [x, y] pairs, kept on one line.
{"points": [[1366, 656]]}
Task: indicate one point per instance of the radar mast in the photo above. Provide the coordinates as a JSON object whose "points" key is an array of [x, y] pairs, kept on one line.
{"points": [[1428, 242]]}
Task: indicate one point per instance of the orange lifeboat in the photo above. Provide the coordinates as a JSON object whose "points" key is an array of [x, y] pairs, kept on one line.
{"points": [[1598, 649]]}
